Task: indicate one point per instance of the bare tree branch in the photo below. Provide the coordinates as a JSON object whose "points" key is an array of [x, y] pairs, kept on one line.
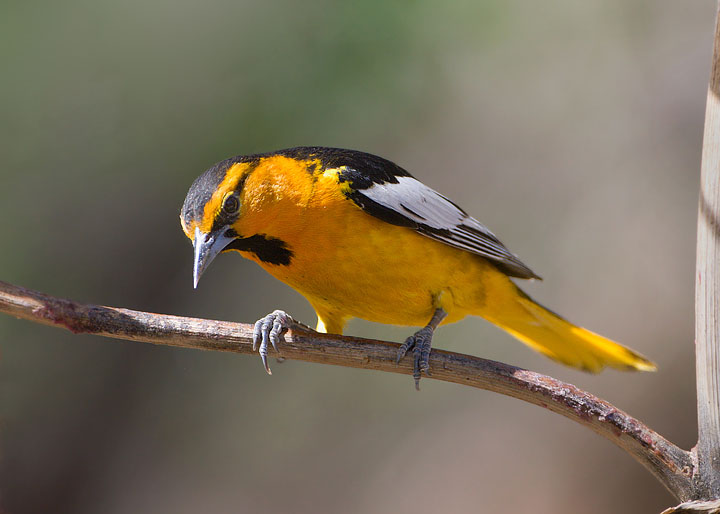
{"points": [[707, 295], [670, 464], [695, 507]]}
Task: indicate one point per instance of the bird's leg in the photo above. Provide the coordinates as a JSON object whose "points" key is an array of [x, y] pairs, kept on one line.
{"points": [[420, 343], [271, 328]]}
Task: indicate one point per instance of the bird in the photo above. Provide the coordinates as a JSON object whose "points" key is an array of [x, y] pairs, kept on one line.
{"points": [[359, 237]]}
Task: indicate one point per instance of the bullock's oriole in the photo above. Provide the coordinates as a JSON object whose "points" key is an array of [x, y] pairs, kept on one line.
{"points": [[358, 236]]}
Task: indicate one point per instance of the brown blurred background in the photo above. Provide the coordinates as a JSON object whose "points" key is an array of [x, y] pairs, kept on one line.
{"points": [[572, 129]]}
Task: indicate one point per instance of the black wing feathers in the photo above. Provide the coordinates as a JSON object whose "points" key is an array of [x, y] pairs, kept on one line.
{"points": [[388, 192], [363, 171], [483, 243]]}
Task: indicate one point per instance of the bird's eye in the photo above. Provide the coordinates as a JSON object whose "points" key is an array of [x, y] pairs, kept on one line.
{"points": [[231, 205]]}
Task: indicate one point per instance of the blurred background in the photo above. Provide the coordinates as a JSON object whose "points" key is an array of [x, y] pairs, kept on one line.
{"points": [[572, 129]]}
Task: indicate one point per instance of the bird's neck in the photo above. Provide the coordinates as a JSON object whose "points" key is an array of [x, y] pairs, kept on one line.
{"points": [[274, 196]]}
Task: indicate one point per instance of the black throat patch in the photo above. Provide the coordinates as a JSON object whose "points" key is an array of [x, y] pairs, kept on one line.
{"points": [[268, 249]]}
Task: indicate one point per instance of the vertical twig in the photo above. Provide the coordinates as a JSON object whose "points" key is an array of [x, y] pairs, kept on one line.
{"points": [[707, 295]]}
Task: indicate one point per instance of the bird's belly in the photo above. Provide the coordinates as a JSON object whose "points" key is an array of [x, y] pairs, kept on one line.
{"points": [[369, 269]]}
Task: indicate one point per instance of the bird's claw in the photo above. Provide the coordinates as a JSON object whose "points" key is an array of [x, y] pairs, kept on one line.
{"points": [[270, 329], [420, 343]]}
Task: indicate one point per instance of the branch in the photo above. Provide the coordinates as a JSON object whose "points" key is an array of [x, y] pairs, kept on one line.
{"points": [[670, 464], [695, 507], [707, 294]]}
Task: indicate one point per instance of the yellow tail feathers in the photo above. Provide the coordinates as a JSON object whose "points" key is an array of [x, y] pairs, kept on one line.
{"points": [[560, 340]]}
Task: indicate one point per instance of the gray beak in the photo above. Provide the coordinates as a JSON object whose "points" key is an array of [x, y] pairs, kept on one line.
{"points": [[207, 246]]}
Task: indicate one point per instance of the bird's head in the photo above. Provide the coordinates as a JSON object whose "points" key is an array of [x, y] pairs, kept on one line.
{"points": [[249, 204], [212, 206]]}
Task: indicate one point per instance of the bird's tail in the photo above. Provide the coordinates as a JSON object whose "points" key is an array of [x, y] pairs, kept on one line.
{"points": [[550, 334]]}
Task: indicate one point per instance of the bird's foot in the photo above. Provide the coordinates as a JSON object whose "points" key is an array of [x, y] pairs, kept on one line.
{"points": [[420, 343], [270, 329]]}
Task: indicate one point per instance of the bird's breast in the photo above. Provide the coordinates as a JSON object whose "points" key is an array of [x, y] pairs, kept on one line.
{"points": [[345, 260]]}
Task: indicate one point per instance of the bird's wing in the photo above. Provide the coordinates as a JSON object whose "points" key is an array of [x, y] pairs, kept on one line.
{"points": [[400, 199]]}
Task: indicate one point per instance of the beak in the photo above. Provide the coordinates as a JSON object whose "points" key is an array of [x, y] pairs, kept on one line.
{"points": [[207, 246]]}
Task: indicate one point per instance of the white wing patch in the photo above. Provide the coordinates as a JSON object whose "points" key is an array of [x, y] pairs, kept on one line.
{"points": [[438, 218], [415, 200]]}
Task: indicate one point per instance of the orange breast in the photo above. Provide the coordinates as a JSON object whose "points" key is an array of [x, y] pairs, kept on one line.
{"points": [[349, 262]]}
